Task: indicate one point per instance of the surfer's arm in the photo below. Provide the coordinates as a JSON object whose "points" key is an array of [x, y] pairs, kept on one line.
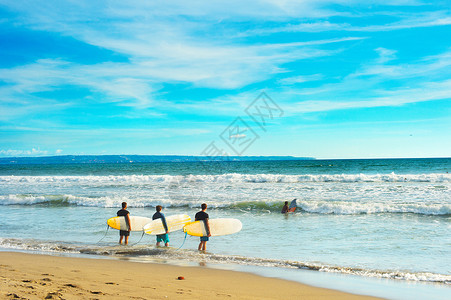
{"points": [[207, 226], [165, 225], [129, 224]]}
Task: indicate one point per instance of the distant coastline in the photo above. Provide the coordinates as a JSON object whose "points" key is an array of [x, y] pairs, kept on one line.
{"points": [[121, 159]]}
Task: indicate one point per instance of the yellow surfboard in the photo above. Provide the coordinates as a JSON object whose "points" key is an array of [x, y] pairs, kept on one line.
{"points": [[175, 222], [217, 227], [137, 223]]}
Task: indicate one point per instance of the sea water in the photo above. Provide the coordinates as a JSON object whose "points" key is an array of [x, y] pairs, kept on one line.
{"points": [[382, 224]]}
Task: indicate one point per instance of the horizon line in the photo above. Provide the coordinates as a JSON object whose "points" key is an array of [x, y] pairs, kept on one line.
{"points": [[223, 156]]}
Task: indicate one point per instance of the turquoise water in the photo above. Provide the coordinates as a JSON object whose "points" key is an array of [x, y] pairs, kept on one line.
{"points": [[381, 220]]}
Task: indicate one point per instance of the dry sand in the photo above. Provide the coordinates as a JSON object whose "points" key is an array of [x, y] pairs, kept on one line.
{"points": [[32, 276]]}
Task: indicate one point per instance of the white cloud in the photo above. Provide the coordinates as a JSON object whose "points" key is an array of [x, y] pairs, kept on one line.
{"points": [[32, 152], [385, 55], [424, 80], [183, 42], [406, 21], [300, 79], [427, 79], [137, 83], [175, 42], [426, 92]]}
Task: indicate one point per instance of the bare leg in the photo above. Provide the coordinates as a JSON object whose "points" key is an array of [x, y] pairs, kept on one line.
{"points": [[158, 244], [120, 239], [126, 240], [202, 246], [166, 244]]}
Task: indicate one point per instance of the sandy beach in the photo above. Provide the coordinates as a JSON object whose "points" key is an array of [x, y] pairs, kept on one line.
{"points": [[32, 276]]}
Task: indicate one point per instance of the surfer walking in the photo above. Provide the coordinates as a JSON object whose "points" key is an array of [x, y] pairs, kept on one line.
{"points": [[161, 237], [203, 216], [124, 233]]}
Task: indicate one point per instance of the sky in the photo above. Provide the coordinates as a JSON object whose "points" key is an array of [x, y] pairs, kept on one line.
{"points": [[308, 78]]}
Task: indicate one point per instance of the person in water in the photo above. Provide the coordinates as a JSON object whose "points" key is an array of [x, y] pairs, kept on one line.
{"points": [[161, 237], [285, 208], [203, 216], [124, 233]]}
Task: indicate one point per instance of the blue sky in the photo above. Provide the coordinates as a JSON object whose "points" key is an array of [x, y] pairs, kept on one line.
{"points": [[351, 79]]}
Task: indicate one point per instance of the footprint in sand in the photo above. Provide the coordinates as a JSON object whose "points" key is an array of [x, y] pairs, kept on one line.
{"points": [[96, 293], [30, 287], [53, 295], [225, 295], [28, 280]]}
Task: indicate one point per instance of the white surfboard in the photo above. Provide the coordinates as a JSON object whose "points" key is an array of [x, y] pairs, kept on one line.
{"points": [[175, 222], [137, 223], [217, 227]]}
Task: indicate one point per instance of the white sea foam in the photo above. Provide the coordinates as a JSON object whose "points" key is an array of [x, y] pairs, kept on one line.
{"points": [[349, 208], [60, 200], [227, 178], [102, 201]]}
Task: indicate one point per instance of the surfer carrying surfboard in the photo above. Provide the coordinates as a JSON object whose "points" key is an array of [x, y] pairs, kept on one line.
{"points": [[202, 215], [125, 213], [161, 237], [289, 208], [285, 208]]}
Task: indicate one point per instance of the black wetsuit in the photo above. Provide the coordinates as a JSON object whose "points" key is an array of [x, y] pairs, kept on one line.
{"points": [[202, 216], [123, 213]]}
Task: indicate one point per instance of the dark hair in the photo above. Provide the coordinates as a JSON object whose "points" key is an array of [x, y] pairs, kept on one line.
{"points": [[203, 206], [158, 208], [124, 204], [286, 202]]}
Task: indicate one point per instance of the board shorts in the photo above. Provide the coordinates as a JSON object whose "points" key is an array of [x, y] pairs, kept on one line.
{"points": [[124, 233], [204, 238], [163, 238]]}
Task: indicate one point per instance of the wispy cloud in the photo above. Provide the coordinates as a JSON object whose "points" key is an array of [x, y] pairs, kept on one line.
{"points": [[426, 92], [159, 49], [137, 83], [430, 76], [299, 79], [405, 21]]}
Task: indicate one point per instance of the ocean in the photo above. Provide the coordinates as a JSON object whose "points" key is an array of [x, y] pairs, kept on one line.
{"points": [[382, 224]]}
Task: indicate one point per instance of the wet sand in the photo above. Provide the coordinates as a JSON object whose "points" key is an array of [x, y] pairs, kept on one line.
{"points": [[33, 276]]}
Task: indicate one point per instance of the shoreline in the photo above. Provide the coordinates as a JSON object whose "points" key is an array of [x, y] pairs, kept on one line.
{"points": [[37, 276]]}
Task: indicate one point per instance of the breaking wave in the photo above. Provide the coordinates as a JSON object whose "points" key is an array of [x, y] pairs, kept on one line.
{"points": [[304, 206], [121, 180]]}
